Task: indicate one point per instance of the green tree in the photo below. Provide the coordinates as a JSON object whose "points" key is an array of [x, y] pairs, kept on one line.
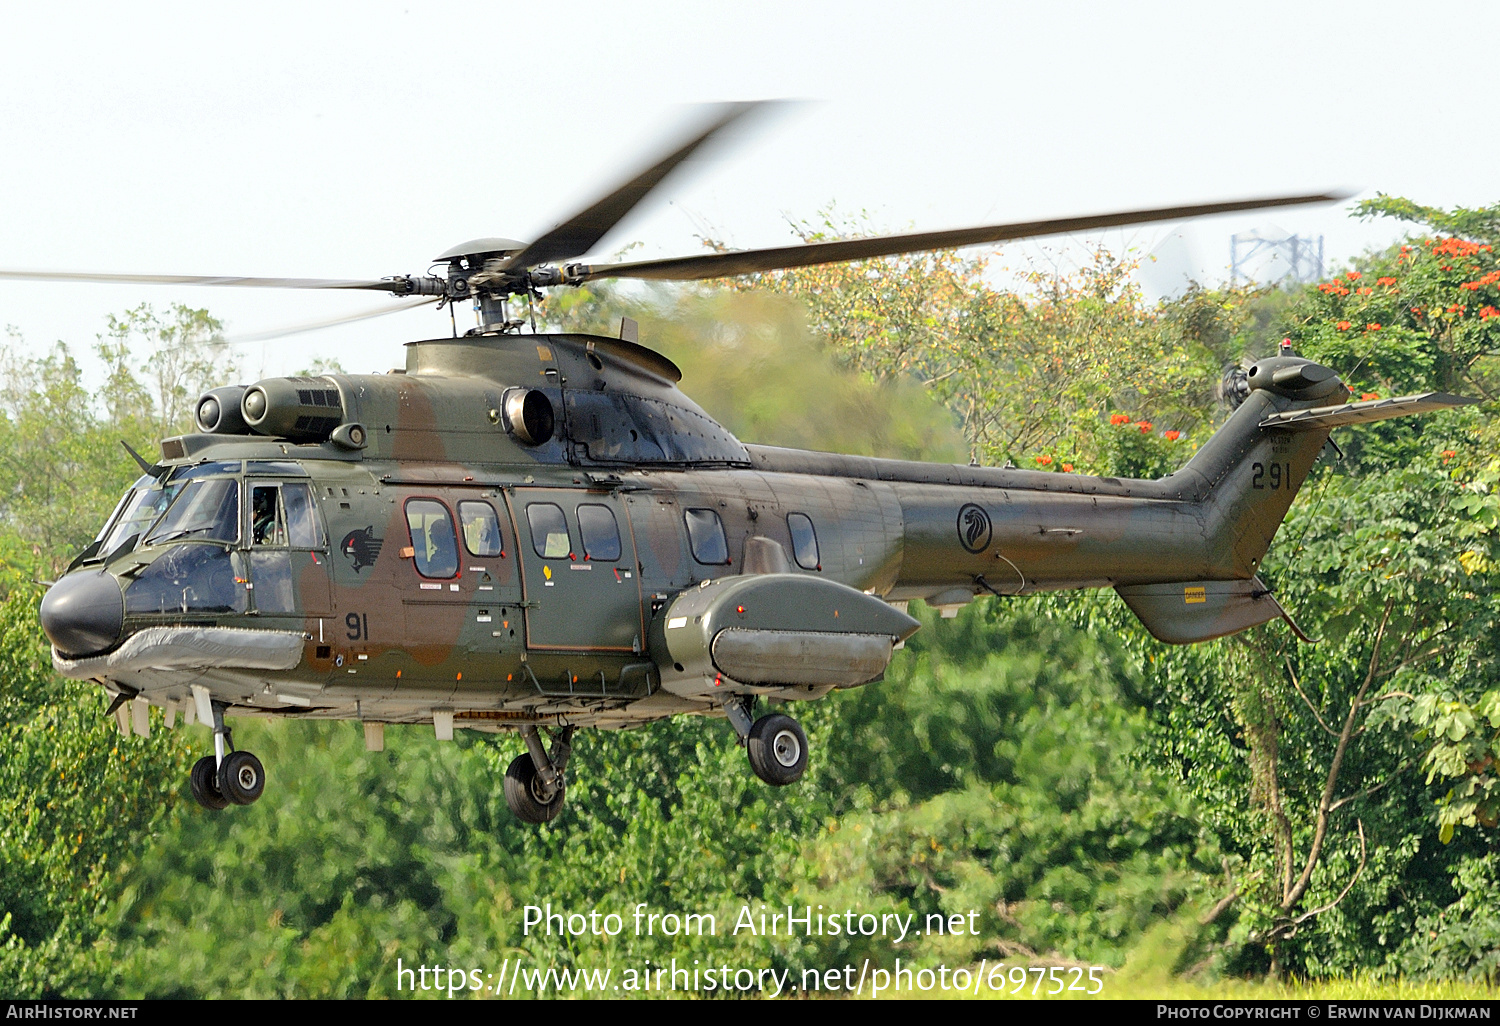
{"points": [[186, 355], [77, 806]]}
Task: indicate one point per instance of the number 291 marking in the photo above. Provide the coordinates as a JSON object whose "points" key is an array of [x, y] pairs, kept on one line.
{"points": [[1275, 477]]}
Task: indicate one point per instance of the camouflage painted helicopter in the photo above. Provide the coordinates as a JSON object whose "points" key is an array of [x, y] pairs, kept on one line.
{"points": [[537, 532]]}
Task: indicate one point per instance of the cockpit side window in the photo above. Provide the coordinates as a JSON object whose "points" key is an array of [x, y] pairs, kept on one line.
{"points": [[267, 521], [283, 514], [304, 528]]}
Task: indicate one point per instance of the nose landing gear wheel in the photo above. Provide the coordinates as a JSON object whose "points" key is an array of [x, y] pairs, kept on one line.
{"points": [[777, 748], [524, 791], [241, 778], [205, 784]]}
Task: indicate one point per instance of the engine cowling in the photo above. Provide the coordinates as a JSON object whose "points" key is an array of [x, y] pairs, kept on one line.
{"points": [[218, 411], [297, 409]]}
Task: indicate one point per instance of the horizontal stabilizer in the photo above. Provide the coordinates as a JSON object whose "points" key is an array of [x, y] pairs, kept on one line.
{"points": [[1188, 611], [1365, 412]]}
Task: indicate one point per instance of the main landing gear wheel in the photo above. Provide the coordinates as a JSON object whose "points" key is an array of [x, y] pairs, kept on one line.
{"points": [[777, 748], [205, 784], [525, 793], [241, 778]]}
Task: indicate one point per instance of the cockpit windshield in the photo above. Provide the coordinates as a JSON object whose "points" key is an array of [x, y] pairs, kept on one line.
{"points": [[145, 501], [149, 498], [207, 510]]}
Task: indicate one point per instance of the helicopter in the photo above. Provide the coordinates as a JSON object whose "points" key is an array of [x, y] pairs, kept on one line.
{"points": [[537, 533]]}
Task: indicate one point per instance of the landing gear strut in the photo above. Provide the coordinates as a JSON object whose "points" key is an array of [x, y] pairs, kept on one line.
{"points": [[775, 743], [226, 777], [534, 784]]}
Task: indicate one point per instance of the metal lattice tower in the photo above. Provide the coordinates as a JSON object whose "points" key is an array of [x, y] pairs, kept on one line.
{"points": [[1270, 256]]}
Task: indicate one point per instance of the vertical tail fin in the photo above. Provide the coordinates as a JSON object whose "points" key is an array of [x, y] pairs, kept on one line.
{"points": [[1248, 476], [1245, 477], [1252, 468]]}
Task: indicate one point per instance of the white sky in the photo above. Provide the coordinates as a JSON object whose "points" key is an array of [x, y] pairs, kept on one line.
{"points": [[362, 139]]}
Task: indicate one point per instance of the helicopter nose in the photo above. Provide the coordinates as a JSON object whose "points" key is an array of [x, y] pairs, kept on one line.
{"points": [[84, 614]]}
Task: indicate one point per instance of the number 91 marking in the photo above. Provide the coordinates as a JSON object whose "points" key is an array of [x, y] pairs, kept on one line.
{"points": [[359, 626], [1273, 477]]}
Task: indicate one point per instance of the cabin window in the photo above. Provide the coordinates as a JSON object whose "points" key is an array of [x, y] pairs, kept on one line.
{"points": [[434, 546], [205, 510], [706, 536], [804, 540], [481, 528], [601, 535], [549, 531]]}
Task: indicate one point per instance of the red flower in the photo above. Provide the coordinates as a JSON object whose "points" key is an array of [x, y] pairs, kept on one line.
{"points": [[1386, 281], [1372, 326], [1044, 460], [1365, 397], [1172, 436], [1457, 247], [1365, 291], [1343, 325], [1488, 311], [1144, 425], [1067, 468], [1353, 276], [1448, 454], [1120, 418]]}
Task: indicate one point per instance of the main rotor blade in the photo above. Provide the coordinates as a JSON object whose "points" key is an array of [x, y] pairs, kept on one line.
{"points": [[199, 279], [297, 329], [751, 261], [578, 234]]}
